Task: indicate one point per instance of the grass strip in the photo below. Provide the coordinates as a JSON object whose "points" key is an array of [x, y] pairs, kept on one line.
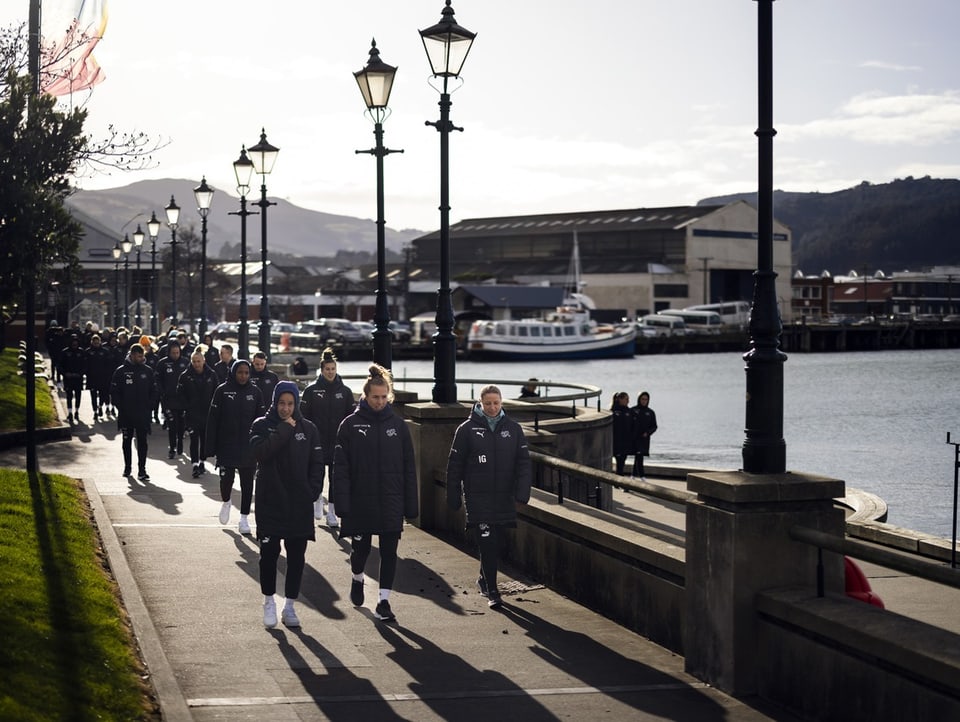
{"points": [[14, 398], [67, 651]]}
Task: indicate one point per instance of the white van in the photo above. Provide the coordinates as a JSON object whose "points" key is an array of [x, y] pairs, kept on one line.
{"points": [[696, 321], [663, 325]]}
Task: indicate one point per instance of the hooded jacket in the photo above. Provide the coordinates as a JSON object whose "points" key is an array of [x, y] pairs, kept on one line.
{"points": [[326, 404], [134, 393], [490, 467], [232, 412], [196, 390], [289, 470], [374, 472]]}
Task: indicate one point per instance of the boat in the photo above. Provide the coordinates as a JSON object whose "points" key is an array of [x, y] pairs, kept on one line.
{"points": [[565, 333]]}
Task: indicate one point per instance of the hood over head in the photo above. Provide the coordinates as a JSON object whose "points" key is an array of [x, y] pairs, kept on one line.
{"points": [[285, 387], [235, 365]]}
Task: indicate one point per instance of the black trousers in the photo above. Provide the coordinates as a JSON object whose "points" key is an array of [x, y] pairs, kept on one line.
{"points": [[270, 553], [198, 443], [488, 543], [360, 552], [246, 485], [140, 432], [175, 430]]}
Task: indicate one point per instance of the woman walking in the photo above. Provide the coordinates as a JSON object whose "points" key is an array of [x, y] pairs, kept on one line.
{"points": [[195, 388], [235, 405], [289, 478], [376, 484], [646, 426], [488, 470], [327, 402], [624, 430]]}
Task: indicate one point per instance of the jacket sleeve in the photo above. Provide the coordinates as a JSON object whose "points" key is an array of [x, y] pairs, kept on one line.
{"points": [[522, 469], [213, 421], [411, 496], [341, 471], [267, 442], [455, 465], [317, 467], [653, 422]]}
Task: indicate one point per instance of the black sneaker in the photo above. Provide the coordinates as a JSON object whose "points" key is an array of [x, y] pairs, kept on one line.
{"points": [[171, 453], [383, 611], [143, 475], [482, 586], [495, 602], [126, 471], [356, 593]]}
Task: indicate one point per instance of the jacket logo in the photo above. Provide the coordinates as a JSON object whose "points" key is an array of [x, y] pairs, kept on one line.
{"points": [[391, 432], [362, 430], [479, 432], [505, 434], [300, 436]]}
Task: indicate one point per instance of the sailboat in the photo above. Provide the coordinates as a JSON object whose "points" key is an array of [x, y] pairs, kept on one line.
{"points": [[565, 333]]}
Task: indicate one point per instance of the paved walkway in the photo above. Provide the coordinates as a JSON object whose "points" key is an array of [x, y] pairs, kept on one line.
{"points": [[190, 586]]}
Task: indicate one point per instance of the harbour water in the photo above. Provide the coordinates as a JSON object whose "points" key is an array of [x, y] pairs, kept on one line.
{"points": [[877, 420]]}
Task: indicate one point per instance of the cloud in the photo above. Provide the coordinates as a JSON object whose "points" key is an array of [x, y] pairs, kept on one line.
{"points": [[884, 65]]}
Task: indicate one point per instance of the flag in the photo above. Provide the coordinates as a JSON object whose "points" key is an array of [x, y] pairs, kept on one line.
{"points": [[67, 64]]}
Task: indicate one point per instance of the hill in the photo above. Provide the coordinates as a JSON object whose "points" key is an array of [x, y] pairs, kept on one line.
{"points": [[292, 230], [907, 224]]}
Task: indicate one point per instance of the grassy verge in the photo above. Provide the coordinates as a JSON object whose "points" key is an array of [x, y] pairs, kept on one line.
{"points": [[66, 651], [14, 398]]}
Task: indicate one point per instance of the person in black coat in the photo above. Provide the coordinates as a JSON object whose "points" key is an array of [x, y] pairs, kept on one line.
{"points": [[168, 372], [195, 389], [646, 426], [488, 470], [289, 479], [222, 367], [134, 391], [376, 484], [262, 377], [327, 402], [101, 363], [624, 430], [235, 405], [73, 365]]}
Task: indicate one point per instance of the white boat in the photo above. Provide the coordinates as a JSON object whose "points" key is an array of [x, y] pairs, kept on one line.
{"points": [[566, 333]]}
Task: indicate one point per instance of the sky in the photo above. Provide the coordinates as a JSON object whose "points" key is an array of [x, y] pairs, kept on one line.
{"points": [[566, 106]]}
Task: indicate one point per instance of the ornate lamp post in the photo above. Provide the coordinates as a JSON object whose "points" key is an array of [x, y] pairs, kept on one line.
{"points": [[376, 82], [447, 45], [173, 220], [153, 228], [204, 196], [264, 156], [126, 247], [243, 170], [138, 243], [116, 283]]}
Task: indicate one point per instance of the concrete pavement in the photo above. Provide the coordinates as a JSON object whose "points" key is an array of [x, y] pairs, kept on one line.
{"points": [[191, 588]]}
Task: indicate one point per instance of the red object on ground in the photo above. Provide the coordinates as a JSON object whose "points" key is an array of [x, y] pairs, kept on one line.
{"points": [[857, 586]]}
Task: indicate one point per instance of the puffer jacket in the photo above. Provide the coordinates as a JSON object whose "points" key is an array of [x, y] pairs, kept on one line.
{"points": [[374, 472], [289, 471], [326, 404], [168, 372], [233, 409], [489, 468], [196, 391], [133, 392]]}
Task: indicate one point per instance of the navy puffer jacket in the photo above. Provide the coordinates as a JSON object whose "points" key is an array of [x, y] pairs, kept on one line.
{"points": [[232, 412], [326, 404], [196, 390], [374, 471], [490, 468], [289, 470]]}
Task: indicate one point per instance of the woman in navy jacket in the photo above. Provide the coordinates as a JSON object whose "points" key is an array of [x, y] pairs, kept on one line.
{"points": [[195, 387], [375, 485], [289, 478], [235, 405], [489, 468]]}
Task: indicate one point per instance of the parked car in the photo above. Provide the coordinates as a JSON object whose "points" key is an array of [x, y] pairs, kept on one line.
{"points": [[323, 331], [278, 329]]}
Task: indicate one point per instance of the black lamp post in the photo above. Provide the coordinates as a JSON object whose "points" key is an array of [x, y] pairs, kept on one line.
{"points": [[173, 218], [126, 246], [264, 156], [764, 450], [243, 170], [204, 196], [116, 283], [447, 45], [153, 228], [138, 243], [376, 82]]}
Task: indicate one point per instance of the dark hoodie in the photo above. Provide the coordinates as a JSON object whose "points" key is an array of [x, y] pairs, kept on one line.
{"points": [[289, 470], [232, 411]]}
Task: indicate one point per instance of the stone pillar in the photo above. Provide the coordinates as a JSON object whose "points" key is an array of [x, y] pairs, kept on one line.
{"points": [[738, 544]]}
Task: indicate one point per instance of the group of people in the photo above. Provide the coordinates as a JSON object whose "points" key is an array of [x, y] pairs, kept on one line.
{"points": [[632, 429]]}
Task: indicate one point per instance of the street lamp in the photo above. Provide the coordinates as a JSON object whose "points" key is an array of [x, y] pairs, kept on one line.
{"points": [[117, 252], [173, 217], [126, 246], [447, 45], [204, 196], [153, 229], [138, 243], [376, 82], [243, 170], [264, 156], [764, 450]]}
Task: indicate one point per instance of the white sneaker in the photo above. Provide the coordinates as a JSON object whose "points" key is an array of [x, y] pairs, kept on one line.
{"points": [[289, 617], [332, 521], [270, 614], [244, 526], [225, 512], [318, 508]]}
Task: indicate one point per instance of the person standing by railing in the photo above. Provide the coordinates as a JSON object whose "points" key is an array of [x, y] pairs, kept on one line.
{"points": [[646, 426], [624, 430], [488, 470]]}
